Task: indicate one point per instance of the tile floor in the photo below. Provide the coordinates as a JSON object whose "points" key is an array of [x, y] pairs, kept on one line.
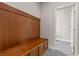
{"points": [[62, 49]]}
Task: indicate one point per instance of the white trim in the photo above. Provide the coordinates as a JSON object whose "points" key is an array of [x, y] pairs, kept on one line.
{"points": [[64, 40], [76, 28], [52, 48], [64, 6]]}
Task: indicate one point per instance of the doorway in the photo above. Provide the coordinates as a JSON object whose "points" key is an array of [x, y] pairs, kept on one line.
{"points": [[65, 29]]}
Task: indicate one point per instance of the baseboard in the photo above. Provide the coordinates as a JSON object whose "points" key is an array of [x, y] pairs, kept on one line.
{"points": [[52, 48], [77, 55]]}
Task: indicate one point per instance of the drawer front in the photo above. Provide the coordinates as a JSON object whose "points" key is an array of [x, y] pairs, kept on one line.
{"points": [[41, 49], [34, 52], [45, 45]]}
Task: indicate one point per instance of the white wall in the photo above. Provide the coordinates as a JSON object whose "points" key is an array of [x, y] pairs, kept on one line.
{"points": [[32, 8], [63, 24], [48, 21]]}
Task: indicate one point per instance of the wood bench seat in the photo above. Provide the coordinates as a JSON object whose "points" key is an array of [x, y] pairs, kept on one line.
{"points": [[26, 49]]}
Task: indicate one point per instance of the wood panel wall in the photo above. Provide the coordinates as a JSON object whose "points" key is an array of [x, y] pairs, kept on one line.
{"points": [[16, 27]]}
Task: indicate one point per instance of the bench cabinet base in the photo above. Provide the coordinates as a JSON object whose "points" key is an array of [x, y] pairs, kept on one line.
{"points": [[35, 47]]}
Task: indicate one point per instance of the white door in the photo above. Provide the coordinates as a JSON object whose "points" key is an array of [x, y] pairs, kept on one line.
{"points": [[72, 27]]}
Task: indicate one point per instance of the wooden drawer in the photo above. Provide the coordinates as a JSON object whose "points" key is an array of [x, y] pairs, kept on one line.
{"points": [[41, 49], [46, 45], [34, 52]]}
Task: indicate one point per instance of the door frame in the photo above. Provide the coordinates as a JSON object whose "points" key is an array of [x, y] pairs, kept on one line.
{"points": [[75, 24], [76, 29]]}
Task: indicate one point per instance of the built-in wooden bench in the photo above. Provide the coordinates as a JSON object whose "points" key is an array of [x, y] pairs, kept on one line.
{"points": [[34, 47], [18, 33]]}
